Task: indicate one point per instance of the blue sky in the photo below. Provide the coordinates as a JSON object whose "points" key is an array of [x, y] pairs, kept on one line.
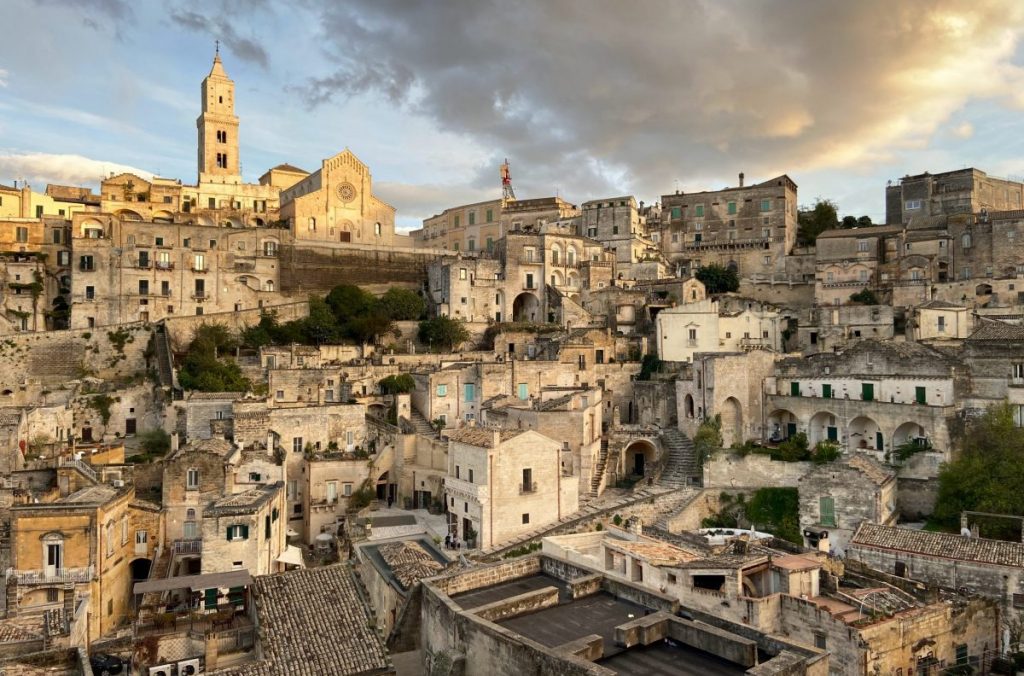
{"points": [[585, 99]]}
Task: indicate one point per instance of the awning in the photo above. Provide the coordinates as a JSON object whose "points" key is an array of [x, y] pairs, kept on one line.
{"points": [[292, 556], [231, 578]]}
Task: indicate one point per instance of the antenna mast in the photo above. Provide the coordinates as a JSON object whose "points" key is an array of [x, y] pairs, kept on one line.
{"points": [[506, 183]]}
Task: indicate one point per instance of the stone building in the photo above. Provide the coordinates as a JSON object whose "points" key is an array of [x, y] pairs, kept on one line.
{"points": [[978, 566], [830, 328], [850, 260], [329, 479], [336, 204], [750, 229], [76, 537], [837, 497], [994, 352], [478, 227], [391, 572], [245, 530], [961, 191], [502, 483], [730, 385], [872, 397], [617, 223], [939, 320], [35, 274], [704, 326], [58, 201]]}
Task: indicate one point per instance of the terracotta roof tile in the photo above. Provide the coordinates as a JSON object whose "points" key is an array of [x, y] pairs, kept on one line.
{"points": [[942, 545]]}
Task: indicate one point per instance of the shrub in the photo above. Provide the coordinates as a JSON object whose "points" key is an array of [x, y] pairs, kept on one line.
{"points": [[401, 383], [795, 448], [708, 439], [826, 451]]}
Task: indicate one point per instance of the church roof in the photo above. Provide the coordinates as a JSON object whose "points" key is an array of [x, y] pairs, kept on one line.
{"points": [[289, 168], [217, 70]]}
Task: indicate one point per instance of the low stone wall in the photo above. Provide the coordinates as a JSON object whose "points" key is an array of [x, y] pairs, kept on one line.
{"points": [[182, 328], [518, 605], [487, 576], [753, 471], [916, 498]]}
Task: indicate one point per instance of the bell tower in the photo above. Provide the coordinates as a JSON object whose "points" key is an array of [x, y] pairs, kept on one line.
{"points": [[218, 128]]}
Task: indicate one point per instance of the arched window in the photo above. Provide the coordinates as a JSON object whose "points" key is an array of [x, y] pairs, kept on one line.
{"points": [[965, 241], [312, 224], [270, 285], [377, 229], [570, 255], [555, 253], [53, 551], [110, 538], [191, 530]]}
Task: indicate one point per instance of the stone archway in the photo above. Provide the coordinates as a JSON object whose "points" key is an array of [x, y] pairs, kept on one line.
{"points": [[526, 308], [688, 406], [864, 434], [140, 569], [639, 456], [823, 426], [732, 422], [782, 424]]}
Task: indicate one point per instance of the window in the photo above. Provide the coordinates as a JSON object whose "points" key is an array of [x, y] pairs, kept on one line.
{"points": [[1018, 374], [346, 490], [526, 518], [377, 229], [522, 391], [490, 215], [296, 444], [110, 538], [862, 275], [867, 391], [677, 213], [529, 280], [794, 389], [199, 263], [472, 218], [238, 532], [462, 273], [292, 489], [528, 485], [698, 211], [965, 241], [86, 264], [52, 595], [192, 479], [141, 538], [143, 287], [766, 205], [819, 640], [22, 234], [921, 395], [458, 472], [827, 511], [332, 492], [693, 334], [470, 392], [913, 204], [280, 393], [731, 208], [941, 325], [442, 390], [312, 224], [90, 292], [826, 391], [490, 244], [471, 475], [39, 211], [863, 245], [961, 653]]}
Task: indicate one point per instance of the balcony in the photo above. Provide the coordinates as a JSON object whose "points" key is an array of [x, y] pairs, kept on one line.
{"points": [[201, 269], [526, 260], [86, 267], [164, 265], [200, 296], [51, 575], [526, 489], [143, 265], [732, 244], [187, 546], [464, 489], [847, 283]]}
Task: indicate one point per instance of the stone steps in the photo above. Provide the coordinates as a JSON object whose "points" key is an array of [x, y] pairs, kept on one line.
{"points": [[681, 468], [421, 424], [602, 461]]}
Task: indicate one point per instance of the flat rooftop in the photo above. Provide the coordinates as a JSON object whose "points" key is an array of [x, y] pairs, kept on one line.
{"points": [[668, 658], [506, 590], [596, 614]]}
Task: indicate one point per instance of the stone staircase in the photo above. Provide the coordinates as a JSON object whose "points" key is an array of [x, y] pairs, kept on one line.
{"points": [[679, 502], [164, 363], [602, 461], [421, 424], [681, 467]]}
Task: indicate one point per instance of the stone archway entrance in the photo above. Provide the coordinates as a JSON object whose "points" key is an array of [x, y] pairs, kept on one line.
{"points": [[526, 308], [639, 456]]}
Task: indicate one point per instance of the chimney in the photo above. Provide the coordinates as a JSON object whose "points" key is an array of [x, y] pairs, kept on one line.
{"points": [[741, 179]]}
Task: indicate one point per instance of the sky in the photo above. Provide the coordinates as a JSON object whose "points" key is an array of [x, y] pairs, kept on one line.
{"points": [[586, 99]]}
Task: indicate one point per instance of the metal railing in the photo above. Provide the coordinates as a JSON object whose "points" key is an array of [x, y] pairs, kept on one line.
{"points": [[189, 546], [80, 466], [527, 488], [51, 575]]}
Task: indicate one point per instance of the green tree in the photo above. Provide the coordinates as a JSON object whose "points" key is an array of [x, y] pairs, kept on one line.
{"points": [[207, 365], [864, 297], [854, 222], [708, 439], [718, 279], [815, 220], [348, 302], [794, 449], [987, 475], [320, 326], [397, 384], [402, 304], [776, 510], [443, 332], [262, 333]]}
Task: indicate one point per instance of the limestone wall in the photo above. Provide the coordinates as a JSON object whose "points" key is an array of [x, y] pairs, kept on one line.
{"points": [[319, 268], [753, 471], [180, 329]]}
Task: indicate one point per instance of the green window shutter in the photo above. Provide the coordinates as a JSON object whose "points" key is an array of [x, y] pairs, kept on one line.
{"points": [[826, 391], [827, 507], [921, 395], [245, 532], [700, 211], [867, 391], [732, 207], [832, 433], [879, 442], [211, 599], [766, 205], [677, 212], [229, 533], [794, 389]]}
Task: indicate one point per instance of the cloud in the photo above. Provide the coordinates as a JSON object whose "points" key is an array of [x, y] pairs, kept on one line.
{"points": [[607, 96], [3, 77], [418, 201], [220, 27], [42, 168], [964, 130], [98, 13]]}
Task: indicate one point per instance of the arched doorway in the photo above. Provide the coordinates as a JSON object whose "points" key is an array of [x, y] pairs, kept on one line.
{"points": [[526, 308], [823, 426], [640, 455], [864, 434], [782, 424], [732, 422], [140, 569], [688, 406], [910, 432]]}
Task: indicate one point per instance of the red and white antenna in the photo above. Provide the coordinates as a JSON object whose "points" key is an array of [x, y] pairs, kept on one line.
{"points": [[506, 182]]}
